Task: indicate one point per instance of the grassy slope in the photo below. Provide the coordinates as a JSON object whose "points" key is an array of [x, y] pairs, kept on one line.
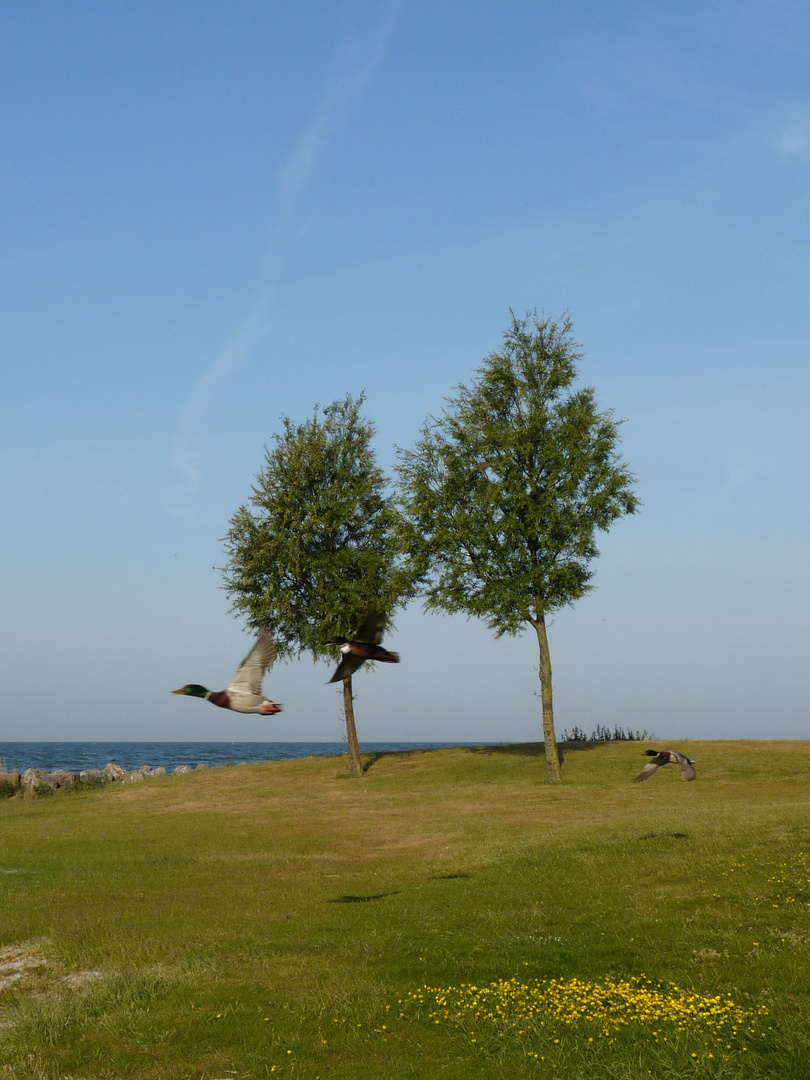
{"points": [[232, 916]]}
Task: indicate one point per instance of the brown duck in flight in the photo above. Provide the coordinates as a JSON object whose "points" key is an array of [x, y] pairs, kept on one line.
{"points": [[667, 757], [365, 645], [245, 692]]}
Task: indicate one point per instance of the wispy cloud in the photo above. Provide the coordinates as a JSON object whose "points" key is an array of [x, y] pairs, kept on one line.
{"points": [[355, 61], [356, 64], [238, 349]]}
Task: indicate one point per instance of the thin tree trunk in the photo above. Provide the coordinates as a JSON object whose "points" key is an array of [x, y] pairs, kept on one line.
{"points": [[355, 764], [549, 736]]}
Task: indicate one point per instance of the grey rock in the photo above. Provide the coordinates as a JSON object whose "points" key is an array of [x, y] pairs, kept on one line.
{"points": [[114, 772], [133, 777], [181, 769], [92, 778], [61, 778], [31, 777], [159, 771]]}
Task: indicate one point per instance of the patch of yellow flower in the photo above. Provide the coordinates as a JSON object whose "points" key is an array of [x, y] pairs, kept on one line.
{"points": [[791, 881], [611, 1005], [787, 883]]}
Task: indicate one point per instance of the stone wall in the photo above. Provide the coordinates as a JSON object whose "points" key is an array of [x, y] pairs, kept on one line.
{"points": [[44, 782]]}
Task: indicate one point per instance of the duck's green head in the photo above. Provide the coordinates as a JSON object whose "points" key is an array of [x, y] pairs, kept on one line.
{"points": [[193, 690]]}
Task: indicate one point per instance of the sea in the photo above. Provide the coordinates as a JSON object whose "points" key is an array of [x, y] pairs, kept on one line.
{"points": [[75, 756]]}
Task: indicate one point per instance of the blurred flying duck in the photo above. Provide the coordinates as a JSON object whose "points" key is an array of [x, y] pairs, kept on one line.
{"points": [[365, 645], [667, 757], [245, 692]]}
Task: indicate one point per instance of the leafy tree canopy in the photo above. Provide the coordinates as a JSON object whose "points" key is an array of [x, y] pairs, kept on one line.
{"points": [[316, 549], [504, 493]]}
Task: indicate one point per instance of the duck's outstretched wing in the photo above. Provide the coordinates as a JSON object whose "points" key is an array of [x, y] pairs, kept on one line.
{"points": [[688, 771], [248, 679], [372, 629], [649, 770], [349, 663]]}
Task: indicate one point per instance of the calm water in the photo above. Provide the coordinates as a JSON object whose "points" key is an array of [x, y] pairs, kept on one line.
{"points": [[75, 756]]}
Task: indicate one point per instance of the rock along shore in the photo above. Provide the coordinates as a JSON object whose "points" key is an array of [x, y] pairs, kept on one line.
{"points": [[44, 782]]}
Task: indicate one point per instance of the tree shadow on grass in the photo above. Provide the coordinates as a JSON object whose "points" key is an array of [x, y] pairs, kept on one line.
{"points": [[664, 836], [349, 898], [522, 749], [535, 749], [372, 759], [528, 749]]}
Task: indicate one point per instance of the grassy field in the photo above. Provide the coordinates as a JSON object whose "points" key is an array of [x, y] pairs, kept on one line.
{"points": [[447, 915]]}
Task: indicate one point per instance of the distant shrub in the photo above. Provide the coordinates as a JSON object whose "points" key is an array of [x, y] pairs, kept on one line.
{"points": [[42, 791], [7, 789], [575, 735], [604, 734]]}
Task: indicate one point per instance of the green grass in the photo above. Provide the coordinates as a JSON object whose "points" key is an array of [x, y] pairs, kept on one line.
{"points": [[286, 920]]}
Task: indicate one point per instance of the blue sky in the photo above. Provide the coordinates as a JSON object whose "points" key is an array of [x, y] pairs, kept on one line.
{"points": [[218, 213]]}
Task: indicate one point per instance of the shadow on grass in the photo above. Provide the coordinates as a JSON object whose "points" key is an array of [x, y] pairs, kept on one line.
{"points": [[374, 758], [350, 899], [522, 749], [529, 749], [533, 749], [665, 836]]}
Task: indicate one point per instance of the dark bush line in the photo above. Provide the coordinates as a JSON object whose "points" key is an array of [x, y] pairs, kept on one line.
{"points": [[604, 734]]}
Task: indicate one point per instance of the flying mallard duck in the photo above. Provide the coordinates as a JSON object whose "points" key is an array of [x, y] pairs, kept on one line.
{"points": [[364, 646], [245, 692], [667, 757]]}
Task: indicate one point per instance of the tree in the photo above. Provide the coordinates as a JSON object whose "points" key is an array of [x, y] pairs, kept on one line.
{"points": [[503, 494], [317, 548]]}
